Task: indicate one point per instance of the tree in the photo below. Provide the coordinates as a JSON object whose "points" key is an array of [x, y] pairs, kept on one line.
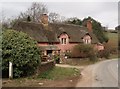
{"points": [[62, 19], [54, 17], [84, 51], [22, 51], [99, 32], [97, 29], [74, 20], [96, 26], [34, 12], [6, 23]]}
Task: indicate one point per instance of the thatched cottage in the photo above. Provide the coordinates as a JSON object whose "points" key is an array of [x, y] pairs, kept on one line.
{"points": [[57, 37]]}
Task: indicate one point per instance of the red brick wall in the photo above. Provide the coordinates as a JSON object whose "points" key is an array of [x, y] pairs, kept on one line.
{"points": [[62, 47], [43, 44], [65, 47], [99, 47], [89, 25]]}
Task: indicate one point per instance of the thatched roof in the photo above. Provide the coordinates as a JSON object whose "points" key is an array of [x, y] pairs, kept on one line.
{"points": [[52, 32]]}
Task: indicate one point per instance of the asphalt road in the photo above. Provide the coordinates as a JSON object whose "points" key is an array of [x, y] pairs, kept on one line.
{"points": [[102, 74]]}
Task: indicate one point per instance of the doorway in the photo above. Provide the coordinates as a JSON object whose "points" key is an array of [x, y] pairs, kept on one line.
{"points": [[49, 52]]}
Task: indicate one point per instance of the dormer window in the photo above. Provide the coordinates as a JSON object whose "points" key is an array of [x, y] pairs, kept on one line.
{"points": [[64, 39], [87, 39]]}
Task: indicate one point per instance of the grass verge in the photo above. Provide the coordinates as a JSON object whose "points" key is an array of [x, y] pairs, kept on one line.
{"points": [[58, 73], [58, 76], [113, 56], [79, 62]]}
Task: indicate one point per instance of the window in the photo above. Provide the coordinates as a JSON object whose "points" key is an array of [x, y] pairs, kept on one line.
{"points": [[63, 40], [87, 41]]}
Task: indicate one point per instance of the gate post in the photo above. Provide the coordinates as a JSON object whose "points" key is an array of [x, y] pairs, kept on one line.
{"points": [[10, 70]]}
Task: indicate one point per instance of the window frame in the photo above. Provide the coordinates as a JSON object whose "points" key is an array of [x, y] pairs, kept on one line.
{"points": [[64, 40], [87, 41]]}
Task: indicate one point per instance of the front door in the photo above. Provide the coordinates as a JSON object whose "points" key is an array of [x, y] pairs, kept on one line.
{"points": [[49, 52]]}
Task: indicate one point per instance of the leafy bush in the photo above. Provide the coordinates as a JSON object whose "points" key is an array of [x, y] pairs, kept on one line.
{"points": [[57, 58], [84, 51], [22, 51], [105, 53]]}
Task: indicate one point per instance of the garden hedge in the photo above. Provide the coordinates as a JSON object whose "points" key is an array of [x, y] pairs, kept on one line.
{"points": [[22, 51]]}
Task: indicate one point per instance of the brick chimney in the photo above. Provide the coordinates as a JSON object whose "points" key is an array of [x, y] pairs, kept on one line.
{"points": [[44, 19], [89, 25]]}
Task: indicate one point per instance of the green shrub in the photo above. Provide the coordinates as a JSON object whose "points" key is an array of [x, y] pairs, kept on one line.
{"points": [[104, 53], [68, 54], [92, 56], [84, 51], [22, 51], [57, 58]]}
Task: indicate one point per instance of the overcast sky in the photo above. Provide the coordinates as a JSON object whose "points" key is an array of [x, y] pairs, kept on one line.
{"points": [[104, 12]]}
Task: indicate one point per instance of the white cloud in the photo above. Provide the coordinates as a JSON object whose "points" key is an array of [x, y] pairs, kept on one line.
{"points": [[105, 12], [59, 1], [14, 8]]}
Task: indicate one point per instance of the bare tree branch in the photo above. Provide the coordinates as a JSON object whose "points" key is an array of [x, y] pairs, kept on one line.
{"points": [[34, 12], [53, 17]]}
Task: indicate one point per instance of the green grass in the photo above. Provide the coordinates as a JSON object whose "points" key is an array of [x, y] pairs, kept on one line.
{"points": [[79, 62], [113, 43], [113, 39], [112, 35], [59, 73], [114, 56]]}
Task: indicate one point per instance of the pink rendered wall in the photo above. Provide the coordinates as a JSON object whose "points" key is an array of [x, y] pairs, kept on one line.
{"points": [[65, 47], [62, 47], [99, 47], [64, 35], [43, 44], [69, 46]]}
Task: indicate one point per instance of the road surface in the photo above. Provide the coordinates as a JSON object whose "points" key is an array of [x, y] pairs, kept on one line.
{"points": [[102, 74]]}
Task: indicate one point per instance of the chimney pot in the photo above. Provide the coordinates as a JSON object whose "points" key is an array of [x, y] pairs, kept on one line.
{"points": [[44, 19], [89, 25]]}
